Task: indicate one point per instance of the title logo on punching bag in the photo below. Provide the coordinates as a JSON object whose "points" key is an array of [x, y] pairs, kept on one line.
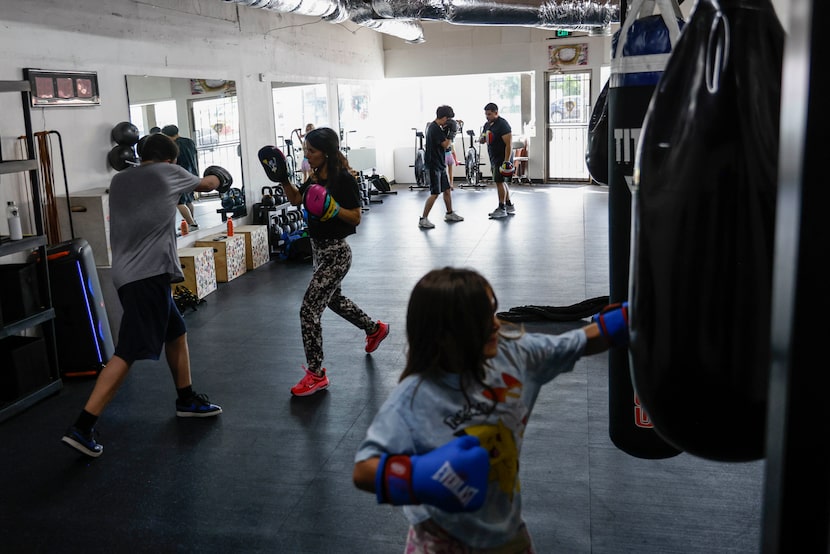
{"points": [[625, 148], [640, 416], [625, 145]]}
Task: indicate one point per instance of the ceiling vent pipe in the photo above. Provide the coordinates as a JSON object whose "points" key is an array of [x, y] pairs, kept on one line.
{"points": [[402, 18]]}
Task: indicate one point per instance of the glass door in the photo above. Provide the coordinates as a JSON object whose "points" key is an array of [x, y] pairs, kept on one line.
{"points": [[568, 115]]}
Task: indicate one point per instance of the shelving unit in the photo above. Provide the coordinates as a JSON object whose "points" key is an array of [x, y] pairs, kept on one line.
{"points": [[275, 242], [44, 317]]}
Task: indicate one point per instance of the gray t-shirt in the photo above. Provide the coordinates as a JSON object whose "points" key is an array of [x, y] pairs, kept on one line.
{"points": [[142, 215], [420, 416]]}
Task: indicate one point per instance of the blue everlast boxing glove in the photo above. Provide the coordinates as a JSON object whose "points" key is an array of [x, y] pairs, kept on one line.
{"points": [[452, 477], [613, 323]]}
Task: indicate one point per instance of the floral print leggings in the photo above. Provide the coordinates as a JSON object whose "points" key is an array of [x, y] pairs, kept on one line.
{"points": [[331, 260]]}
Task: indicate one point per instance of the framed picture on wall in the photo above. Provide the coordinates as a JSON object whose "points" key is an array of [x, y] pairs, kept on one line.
{"points": [[62, 88], [567, 54], [207, 86]]}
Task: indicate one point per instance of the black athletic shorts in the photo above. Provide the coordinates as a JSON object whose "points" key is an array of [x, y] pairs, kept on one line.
{"points": [[495, 170], [187, 198], [439, 181], [150, 319]]}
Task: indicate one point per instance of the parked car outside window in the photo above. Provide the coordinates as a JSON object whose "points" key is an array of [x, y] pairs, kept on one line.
{"points": [[567, 108]]}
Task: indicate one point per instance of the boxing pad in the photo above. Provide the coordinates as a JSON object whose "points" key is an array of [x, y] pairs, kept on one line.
{"points": [[704, 214], [223, 175], [640, 50], [274, 163]]}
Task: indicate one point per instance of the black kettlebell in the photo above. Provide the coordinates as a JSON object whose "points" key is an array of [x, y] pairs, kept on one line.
{"points": [[268, 196], [238, 198], [228, 201]]}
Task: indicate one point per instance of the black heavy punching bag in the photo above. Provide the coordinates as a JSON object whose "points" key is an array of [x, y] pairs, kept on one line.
{"points": [[704, 212], [596, 155], [639, 52]]}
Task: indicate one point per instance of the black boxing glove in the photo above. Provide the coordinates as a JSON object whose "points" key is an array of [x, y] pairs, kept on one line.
{"points": [[452, 129]]}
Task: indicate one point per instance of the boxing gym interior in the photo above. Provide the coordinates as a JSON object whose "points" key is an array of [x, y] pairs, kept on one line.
{"points": [[689, 187]]}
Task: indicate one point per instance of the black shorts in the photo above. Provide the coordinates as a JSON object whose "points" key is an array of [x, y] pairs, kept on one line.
{"points": [[439, 181], [187, 198], [150, 319], [495, 169]]}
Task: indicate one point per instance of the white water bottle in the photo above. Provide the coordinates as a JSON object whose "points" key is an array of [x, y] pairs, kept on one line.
{"points": [[13, 216]]}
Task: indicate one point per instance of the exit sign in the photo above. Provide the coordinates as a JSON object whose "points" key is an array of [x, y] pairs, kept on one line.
{"points": [[560, 34]]}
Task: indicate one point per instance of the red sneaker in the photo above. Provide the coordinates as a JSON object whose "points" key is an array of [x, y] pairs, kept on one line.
{"points": [[374, 340], [310, 384]]}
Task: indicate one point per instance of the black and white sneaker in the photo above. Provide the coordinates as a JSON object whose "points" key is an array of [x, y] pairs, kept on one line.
{"points": [[197, 405], [498, 213], [83, 443]]}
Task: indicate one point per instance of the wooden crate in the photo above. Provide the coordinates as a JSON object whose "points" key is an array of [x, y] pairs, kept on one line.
{"points": [[256, 244], [199, 270], [90, 219], [228, 255]]}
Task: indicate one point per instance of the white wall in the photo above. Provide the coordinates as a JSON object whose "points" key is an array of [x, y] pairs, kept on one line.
{"points": [[451, 50], [214, 40], [171, 38], [472, 50]]}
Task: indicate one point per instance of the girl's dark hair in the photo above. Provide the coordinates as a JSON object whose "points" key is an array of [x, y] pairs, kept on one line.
{"points": [[448, 321], [326, 141], [158, 148]]}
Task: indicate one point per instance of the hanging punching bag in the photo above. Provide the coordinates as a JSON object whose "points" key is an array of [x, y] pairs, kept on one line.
{"points": [[704, 213], [639, 52], [596, 156]]}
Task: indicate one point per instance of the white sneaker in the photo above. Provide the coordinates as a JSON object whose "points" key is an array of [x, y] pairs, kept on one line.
{"points": [[425, 223], [452, 216], [498, 213], [511, 209]]}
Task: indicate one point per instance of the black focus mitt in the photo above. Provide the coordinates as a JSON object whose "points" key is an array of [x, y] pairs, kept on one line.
{"points": [[274, 164], [452, 129], [225, 179]]}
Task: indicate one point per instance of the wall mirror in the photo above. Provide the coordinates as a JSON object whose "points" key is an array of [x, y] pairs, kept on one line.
{"points": [[295, 106], [357, 131], [205, 111]]}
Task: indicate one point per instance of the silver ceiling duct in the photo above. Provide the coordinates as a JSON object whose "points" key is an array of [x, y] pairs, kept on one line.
{"points": [[402, 18]]}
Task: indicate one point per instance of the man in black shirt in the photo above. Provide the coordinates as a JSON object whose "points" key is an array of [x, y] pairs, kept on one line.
{"points": [[437, 142], [188, 160], [499, 138]]}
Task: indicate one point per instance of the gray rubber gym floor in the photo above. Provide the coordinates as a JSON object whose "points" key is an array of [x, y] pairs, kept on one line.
{"points": [[273, 473]]}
